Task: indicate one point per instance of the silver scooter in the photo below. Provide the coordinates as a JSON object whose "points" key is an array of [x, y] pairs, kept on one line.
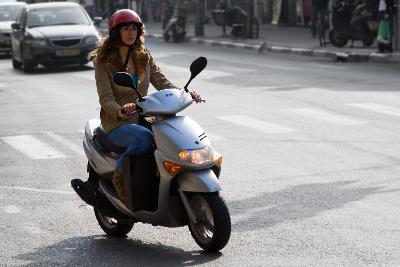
{"points": [[175, 185]]}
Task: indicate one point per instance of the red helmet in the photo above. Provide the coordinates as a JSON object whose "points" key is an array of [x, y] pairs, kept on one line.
{"points": [[123, 16]]}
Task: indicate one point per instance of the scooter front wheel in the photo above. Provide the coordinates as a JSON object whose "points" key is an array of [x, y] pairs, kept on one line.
{"points": [[213, 228], [111, 226]]}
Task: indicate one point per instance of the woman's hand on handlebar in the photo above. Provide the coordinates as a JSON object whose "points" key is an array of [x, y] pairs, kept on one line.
{"points": [[126, 110], [196, 97]]}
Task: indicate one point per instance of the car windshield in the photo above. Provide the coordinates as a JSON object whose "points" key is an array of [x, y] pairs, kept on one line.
{"points": [[9, 13], [57, 16]]}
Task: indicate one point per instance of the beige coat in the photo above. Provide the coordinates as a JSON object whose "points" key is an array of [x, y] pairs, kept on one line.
{"points": [[112, 97]]}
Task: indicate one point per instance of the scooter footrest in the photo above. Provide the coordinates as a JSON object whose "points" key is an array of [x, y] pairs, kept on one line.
{"points": [[86, 191]]}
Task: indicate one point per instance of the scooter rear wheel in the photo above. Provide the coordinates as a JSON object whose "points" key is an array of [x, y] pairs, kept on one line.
{"points": [[338, 38], [112, 226], [213, 229]]}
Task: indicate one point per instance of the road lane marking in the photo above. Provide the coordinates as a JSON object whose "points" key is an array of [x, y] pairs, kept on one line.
{"points": [[326, 116], [215, 137], [35, 190], [160, 55], [72, 146], [207, 75], [87, 75], [33, 147], [12, 209], [258, 125], [377, 108], [32, 229]]}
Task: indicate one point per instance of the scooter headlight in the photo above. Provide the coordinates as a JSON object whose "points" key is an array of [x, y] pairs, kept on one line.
{"points": [[197, 156]]}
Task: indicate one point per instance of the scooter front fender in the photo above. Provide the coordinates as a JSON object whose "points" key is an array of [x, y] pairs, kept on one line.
{"points": [[198, 181]]}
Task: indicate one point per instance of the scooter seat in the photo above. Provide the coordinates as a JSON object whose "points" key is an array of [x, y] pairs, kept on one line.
{"points": [[104, 140]]}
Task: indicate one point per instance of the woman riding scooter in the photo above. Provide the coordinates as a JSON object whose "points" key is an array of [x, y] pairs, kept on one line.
{"points": [[124, 50]]}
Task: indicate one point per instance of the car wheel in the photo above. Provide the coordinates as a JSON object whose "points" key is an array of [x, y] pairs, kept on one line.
{"points": [[27, 66], [16, 64]]}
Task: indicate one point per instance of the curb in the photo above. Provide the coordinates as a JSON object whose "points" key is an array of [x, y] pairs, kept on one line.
{"points": [[258, 47], [262, 47]]}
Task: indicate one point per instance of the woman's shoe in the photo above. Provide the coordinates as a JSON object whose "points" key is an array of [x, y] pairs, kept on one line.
{"points": [[118, 182]]}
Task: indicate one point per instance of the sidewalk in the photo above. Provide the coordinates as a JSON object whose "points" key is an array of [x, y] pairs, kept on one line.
{"points": [[281, 39]]}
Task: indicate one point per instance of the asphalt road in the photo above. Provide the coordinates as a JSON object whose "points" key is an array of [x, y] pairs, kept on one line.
{"points": [[310, 175]]}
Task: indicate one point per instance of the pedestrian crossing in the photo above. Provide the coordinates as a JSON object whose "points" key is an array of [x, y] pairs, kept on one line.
{"points": [[328, 117], [49, 145], [383, 109], [32, 147], [256, 124], [11, 209]]}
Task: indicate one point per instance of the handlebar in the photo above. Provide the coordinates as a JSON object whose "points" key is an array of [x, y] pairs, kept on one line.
{"points": [[138, 109]]}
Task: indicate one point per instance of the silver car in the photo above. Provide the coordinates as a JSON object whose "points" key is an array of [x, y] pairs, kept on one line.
{"points": [[8, 14], [52, 34]]}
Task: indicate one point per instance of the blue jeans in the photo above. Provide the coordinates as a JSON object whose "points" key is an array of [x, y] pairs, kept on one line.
{"points": [[138, 140]]}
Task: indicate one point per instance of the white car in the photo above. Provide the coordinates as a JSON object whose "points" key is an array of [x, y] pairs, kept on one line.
{"points": [[54, 33], [8, 13]]}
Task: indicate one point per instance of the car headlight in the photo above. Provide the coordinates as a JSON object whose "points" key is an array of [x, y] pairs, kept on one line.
{"points": [[94, 39], [37, 43], [197, 156]]}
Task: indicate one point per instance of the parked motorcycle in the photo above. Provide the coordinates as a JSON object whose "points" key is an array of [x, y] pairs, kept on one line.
{"points": [[237, 18], [176, 27], [353, 20], [176, 185]]}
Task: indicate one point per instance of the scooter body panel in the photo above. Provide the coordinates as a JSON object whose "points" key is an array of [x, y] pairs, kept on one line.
{"points": [[178, 133], [102, 163], [166, 102], [199, 181]]}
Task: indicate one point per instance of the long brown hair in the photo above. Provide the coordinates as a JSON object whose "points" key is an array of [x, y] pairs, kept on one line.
{"points": [[108, 48]]}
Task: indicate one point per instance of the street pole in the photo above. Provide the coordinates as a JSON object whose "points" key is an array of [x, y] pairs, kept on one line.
{"points": [[397, 27], [250, 15], [199, 27]]}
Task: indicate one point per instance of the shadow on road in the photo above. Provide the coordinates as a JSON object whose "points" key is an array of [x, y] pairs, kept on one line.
{"points": [[105, 251], [295, 203]]}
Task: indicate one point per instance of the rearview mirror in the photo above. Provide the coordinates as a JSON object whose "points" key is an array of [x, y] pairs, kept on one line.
{"points": [[198, 65], [195, 68], [97, 20], [16, 26], [123, 79]]}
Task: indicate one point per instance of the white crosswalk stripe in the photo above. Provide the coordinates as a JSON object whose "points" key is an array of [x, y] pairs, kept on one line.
{"points": [[19, 188], [12, 209], [215, 137], [383, 109], [328, 117], [87, 75], [258, 125], [33, 147], [28, 144], [208, 73], [30, 229], [72, 146]]}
